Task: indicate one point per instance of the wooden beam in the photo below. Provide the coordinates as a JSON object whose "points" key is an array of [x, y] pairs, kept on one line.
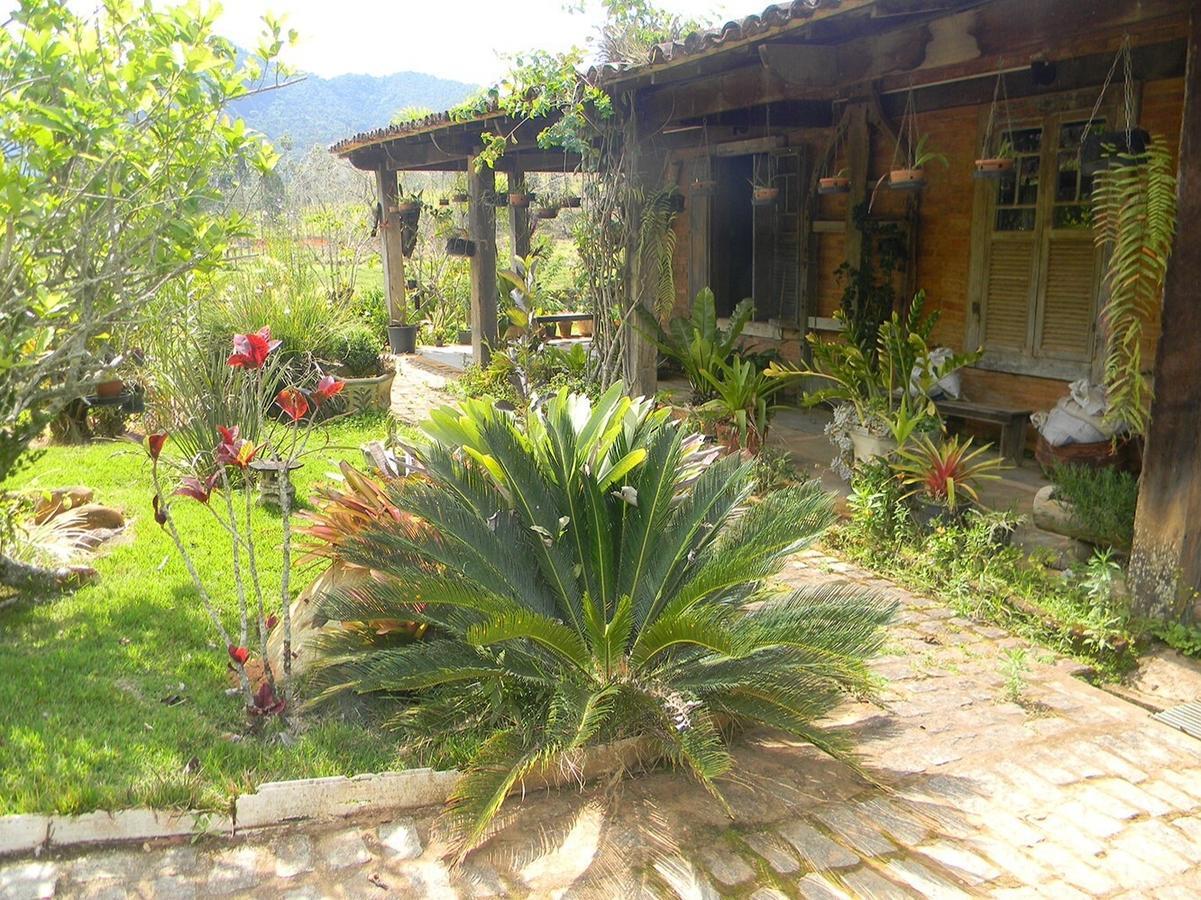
{"points": [[519, 218], [390, 247], [482, 222], [1165, 561]]}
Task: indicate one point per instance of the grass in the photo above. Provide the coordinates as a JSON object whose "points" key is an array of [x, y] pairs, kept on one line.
{"points": [[83, 678]]}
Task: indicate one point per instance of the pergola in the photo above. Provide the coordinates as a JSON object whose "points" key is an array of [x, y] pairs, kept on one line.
{"points": [[442, 143]]}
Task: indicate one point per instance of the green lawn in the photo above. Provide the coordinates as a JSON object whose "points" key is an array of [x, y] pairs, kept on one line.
{"points": [[82, 679]]}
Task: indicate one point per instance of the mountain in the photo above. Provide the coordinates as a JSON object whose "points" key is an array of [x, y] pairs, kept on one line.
{"points": [[324, 110]]}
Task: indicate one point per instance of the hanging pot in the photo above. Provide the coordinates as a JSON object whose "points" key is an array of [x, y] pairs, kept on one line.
{"points": [[546, 212], [703, 186], [444, 201], [411, 284], [110, 388], [407, 208], [520, 200], [461, 197], [992, 167], [907, 179], [402, 338], [835, 184], [675, 203], [764, 196], [1109, 149], [460, 246], [572, 201]]}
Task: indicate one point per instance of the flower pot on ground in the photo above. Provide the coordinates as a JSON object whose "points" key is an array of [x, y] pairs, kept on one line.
{"points": [[565, 329], [110, 387], [584, 327], [993, 167], [835, 184], [868, 446], [762, 195], [402, 338], [465, 336]]}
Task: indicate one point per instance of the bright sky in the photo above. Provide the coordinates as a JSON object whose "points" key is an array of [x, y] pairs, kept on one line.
{"points": [[459, 39]]}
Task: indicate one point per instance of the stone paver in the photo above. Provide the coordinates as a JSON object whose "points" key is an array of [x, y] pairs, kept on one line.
{"points": [[1076, 793]]}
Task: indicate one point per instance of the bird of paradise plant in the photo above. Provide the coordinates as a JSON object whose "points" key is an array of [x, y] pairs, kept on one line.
{"points": [[216, 479]]}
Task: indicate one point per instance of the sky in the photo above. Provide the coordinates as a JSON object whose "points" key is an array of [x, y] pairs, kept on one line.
{"points": [[458, 39]]}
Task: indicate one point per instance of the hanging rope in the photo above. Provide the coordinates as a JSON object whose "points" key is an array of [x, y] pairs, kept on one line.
{"points": [[1000, 95], [1125, 57]]}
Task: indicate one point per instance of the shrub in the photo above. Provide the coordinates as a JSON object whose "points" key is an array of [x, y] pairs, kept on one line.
{"points": [[697, 342], [1102, 502], [370, 308], [358, 349], [594, 575]]}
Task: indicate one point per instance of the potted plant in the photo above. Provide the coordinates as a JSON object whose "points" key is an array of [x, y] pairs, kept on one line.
{"points": [[458, 244], [743, 403], [464, 336], [520, 199], [838, 183], [764, 191], [1111, 149], [942, 477], [368, 379], [572, 201], [460, 197], [444, 200], [408, 205], [764, 194], [547, 209], [913, 176], [992, 167]]}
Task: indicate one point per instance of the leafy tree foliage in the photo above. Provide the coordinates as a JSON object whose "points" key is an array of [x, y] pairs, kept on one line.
{"points": [[117, 170]]}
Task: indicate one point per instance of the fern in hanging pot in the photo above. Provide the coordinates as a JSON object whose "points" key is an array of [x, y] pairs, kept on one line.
{"points": [[913, 176]]}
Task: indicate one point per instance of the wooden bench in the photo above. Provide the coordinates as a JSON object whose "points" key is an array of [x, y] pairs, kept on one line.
{"points": [[1012, 421]]}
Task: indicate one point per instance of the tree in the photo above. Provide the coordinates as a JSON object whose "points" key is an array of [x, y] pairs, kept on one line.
{"points": [[119, 171]]}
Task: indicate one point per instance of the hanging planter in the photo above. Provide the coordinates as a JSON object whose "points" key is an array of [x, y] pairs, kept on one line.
{"points": [[764, 196], [460, 197], [992, 167], [907, 179], [675, 202], [572, 201], [835, 184], [409, 207], [520, 199], [1103, 150], [444, 201], [908, 171], [460, 246], [497, 199], [547, 212]]}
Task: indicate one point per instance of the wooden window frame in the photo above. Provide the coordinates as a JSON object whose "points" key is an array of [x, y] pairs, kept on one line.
{"points": [[1047, 112]]}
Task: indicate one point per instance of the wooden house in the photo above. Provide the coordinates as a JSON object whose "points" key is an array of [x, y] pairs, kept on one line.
{"points": [[814, 88]]}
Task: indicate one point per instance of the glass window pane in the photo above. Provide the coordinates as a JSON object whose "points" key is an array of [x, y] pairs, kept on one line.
{"points": [[1007, 190], [1026, 140], [1015, 219], [1067, 178], [1078, 215], [1028, 180], [1071, 134]]}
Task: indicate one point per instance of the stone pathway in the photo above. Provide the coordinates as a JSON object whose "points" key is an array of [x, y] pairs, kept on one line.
{"points": [[420, 386], [1070, 792]]}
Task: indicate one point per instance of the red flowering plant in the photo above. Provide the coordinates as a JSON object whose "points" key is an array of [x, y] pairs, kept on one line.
{"points": [[220, 481]]}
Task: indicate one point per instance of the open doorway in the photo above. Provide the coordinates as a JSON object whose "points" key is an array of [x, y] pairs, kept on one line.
{"points": [[732, 232]]}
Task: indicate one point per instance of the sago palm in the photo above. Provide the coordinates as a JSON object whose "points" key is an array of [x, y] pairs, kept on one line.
{"points": [[593, 574]]}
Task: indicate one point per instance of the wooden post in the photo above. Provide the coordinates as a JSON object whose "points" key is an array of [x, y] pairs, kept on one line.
{"points": [[482, 223], [858, 148], [647, 170], [519, 218], [1165, 561], [699, 237], [390, 247]]}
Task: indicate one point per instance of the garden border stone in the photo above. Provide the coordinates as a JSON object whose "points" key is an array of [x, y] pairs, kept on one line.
{"points": [[277, 803]]}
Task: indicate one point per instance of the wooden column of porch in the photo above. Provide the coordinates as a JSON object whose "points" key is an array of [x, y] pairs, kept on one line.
{"points": [[391, 253], [481, 216]]}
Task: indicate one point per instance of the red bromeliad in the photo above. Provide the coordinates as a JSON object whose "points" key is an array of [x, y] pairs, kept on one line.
{"points": [[233, 451], [293, 402], [251, 350], [327, 387]]}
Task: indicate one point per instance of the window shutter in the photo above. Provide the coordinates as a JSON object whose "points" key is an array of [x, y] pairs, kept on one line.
{"points": [[1007, 294], [1067, 318], [786, 278]]}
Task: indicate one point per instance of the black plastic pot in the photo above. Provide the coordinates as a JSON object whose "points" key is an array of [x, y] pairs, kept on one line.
{"points": [[465, 336], [457, 246], [402, 338], [1106, 149]]}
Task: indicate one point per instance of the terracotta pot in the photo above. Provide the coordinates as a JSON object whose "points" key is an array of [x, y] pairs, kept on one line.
{"points": [[111, 388], [584, 327], [907, 179], [564, 329], [835, 184], [521, 201], [993, 167], [764, 196], [408, 207], [547, 212], [703, 186]]}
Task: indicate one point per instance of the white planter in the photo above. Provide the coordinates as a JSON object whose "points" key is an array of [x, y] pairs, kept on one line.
{"points": [[868, 446], [364, 394]]}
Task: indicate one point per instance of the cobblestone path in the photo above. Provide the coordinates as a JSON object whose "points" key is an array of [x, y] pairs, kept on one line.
{"points": [[420, 386], [1071, 792]]}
